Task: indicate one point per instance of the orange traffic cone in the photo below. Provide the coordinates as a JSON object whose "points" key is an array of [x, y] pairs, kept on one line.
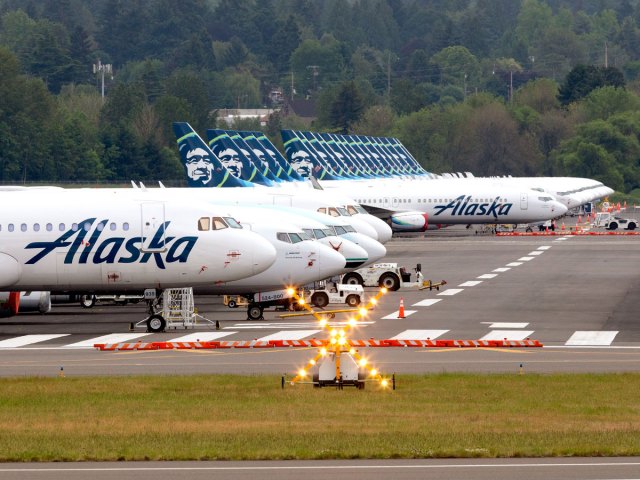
{"points": [[618, 206], [562, 228], [401, 309]]}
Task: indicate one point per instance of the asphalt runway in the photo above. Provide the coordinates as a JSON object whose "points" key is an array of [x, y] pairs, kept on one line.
{"points": [[580, 296], [447, 469]]}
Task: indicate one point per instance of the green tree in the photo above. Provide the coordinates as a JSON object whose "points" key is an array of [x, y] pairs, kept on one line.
{"points": [[582, 79], [347, 108]]}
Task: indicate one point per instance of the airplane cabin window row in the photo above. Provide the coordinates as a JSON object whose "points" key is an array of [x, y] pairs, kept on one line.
{"points": [[62, 227]]}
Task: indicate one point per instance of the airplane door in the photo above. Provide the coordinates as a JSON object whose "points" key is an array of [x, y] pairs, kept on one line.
{"points": [[152, 216], [524, 201]]}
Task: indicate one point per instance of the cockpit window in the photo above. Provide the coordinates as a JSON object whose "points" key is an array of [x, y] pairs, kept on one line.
{"points": [[329, 232], [361, 209], [319, 233], [352, 209], [339, 230], [349, 228], [295, 238], [232, 222], [343, 212], [545, 199], [283, 237], [218, 223], [334, 212], [322, 210], [309, 232], [204, 224], [306, 236]]}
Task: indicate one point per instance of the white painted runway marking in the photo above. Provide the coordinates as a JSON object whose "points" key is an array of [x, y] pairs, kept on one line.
{"points": [[201, 337], [290, 335], [514, 264], [560, 239], [470, 283], [525, 259], [501, 269], [451, 291], [28, 340], [488, 276], [427, 302], [544, 247], [419, 334], [505, 324], [111, 338], [535, 253], [592, 338], [282, 326], [394, 315], [508, 334]]}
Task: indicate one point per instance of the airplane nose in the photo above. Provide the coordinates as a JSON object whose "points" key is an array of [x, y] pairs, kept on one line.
{"points": [[331, 263], [354, 255], [375, 250], [558, 208], [263, 253], [381, 227], [362, 227]]}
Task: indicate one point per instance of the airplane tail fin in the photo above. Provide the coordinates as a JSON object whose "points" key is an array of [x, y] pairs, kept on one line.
{"points": [[303, 159], [203, 168], [271, 149]]}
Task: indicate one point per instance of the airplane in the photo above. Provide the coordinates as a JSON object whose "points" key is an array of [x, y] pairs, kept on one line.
{"points": [[389, 165], [214, 174], [84, 240]]}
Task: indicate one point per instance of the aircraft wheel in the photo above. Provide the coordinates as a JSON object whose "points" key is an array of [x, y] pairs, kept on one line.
{"points": [[254, 312], [353, 300], [390, 281], [352, 279], [232, 304], [320, 299], [156, 323], [87, 301]]}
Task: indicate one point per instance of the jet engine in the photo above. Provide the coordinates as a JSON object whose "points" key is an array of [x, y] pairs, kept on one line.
{"points": [[9, 304], [12, 302], [409, 222]]}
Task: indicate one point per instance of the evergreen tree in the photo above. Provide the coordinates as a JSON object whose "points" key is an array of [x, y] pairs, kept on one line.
{"points": [[347, 108]]}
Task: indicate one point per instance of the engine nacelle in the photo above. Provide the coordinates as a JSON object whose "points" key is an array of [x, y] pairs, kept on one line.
{"points": [[409, 222], [9, 304], [12, 302]]}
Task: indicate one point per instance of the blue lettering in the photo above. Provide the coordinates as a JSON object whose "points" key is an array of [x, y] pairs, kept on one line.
{"points": [[115, 243], [461, 206], [132, 249]]}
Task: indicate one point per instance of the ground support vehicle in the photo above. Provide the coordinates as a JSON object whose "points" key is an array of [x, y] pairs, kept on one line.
{"points": [[342, 364], [611, 222], [90, 300], [326, 293], [174, 309], [390, 276]]}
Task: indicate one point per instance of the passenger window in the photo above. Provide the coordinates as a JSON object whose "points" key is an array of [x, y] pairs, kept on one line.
{"points": [[283, 237], [36, 227], [74, 227], [112, 227], [23, 227], [218, 223], [61, 227], [10, 227], [49, 227], [125, 226], [100, 227], [204, 224], [87, 226]]}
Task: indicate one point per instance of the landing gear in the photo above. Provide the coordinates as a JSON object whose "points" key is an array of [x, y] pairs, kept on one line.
{"points": [[254, 312], [156, 323]]}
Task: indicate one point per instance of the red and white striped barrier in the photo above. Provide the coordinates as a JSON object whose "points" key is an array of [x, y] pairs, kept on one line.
{"points": [[315, 343]]}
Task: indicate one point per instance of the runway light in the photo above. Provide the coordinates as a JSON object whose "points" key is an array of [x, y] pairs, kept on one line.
{"points": [[384, 383], [363, 311], [352, 351], [341, 332], [323, 351], [302, 372], [342, 341], [353, 322], [323, 322], [383, 290], [374, 372], [333, 340], [363, 362], [291, 291], [334, 332], [373, 301], [301, 301], [312, 362]]}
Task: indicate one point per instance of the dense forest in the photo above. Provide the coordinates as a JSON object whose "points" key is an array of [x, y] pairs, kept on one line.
{"points": [[521, 87]]}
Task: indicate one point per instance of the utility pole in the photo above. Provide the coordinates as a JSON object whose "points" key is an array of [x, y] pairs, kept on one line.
{"points": [[389, 75], [314, 72], [606, 55], [511, 86], [292, 88]]}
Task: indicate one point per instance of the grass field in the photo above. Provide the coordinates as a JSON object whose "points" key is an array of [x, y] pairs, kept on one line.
{"points": [[238, 417]]}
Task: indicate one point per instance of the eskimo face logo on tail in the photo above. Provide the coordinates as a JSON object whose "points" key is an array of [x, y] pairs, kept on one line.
{"points": [[463, 206], [86, 246], [199, 166], [301, 163], [231, 161]]}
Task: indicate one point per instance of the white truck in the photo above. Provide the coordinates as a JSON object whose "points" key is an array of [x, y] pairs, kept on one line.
{"points": [[326, 293], [611, 222], [388, 275]]}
